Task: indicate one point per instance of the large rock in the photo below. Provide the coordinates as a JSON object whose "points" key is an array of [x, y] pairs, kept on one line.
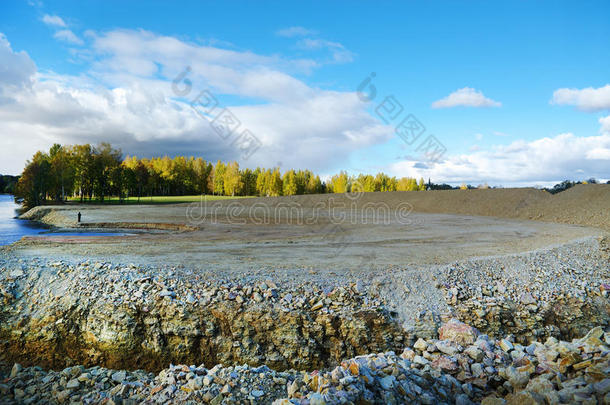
{"points": [[458, 332]]}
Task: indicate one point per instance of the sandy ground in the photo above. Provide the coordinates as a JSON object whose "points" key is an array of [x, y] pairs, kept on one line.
{"points": [[331, 234]]}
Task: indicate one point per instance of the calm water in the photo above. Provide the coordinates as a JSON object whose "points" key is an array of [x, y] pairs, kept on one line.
{"points": [[13, 229]]}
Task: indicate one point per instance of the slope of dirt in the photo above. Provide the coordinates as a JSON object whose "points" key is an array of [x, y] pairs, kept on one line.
{"points": [[582, 205]]}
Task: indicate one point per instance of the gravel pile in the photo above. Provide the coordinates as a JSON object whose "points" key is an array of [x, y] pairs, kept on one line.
{"points": [[264, 335], [57, 314], [561, 291], [462, 367]]}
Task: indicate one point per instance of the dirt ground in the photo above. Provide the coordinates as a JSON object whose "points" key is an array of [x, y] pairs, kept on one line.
{"points": [[369, 232]]}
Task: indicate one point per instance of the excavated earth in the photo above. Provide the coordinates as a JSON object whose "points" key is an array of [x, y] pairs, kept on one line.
{"points": [[377, 298]]}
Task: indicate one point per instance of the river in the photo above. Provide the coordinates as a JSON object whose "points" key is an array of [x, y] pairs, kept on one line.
{"points": [[12, 229]]}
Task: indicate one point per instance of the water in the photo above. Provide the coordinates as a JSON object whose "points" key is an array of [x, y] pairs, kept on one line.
{"points": [[12, 229]]}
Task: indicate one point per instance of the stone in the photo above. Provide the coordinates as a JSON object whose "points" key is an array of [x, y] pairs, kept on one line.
{"points": [[257, 393], [420, 360], [316, 399], [217, 400], [444, 363], [582, 364], [387, 382], [62, 395], [119, 376], [474, 353], [420, 345], [506, 345], [292, 388], [166, 293], [15, 370], [447, 347], [593, 338], [602, 387], [462, 399], [354, 368], [408, 354], [544, 388], [516, 378], [73, 384], [525, 398], [458, 332], [317, 305], [476, 369], [493, 400]]}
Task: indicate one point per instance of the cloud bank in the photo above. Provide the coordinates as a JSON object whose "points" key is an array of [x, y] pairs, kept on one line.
{"points": [[126, 98], [588, 99], [543, 161]]}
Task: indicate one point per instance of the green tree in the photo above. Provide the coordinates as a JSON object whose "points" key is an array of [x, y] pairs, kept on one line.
{"points": [[33, 185], [62, 172], [249, 180]]}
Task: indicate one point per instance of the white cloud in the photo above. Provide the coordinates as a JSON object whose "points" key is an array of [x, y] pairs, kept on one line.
{"points": [[546, 160], [53, 20], [338, 52], [126, 98], [587, 99], [294, 32], [68, 36], [16, 68], [465, 97]]}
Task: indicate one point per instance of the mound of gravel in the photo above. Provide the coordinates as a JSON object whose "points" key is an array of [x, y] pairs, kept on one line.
{"points": [[463, 367]]}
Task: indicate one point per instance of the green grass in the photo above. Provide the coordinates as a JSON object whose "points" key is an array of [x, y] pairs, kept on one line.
{"points": [[174, 199]]}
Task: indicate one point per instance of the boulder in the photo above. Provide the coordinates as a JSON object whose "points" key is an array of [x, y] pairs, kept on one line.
{"points": [[458, 332]]}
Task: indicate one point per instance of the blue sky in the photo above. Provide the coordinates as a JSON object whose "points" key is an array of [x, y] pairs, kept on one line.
{"points": [[530, 83]]}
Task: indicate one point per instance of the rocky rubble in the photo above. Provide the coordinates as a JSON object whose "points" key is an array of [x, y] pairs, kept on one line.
{"points": [[258, 338], [61, 314], [464, 367], [559, 292], [554, 371]]}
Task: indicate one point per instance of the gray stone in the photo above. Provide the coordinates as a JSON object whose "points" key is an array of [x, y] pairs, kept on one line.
{"points": [[73, 384], [257, 393], [119, 376], [387, 382]]}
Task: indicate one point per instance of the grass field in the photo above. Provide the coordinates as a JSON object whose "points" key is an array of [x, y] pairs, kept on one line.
{"points": [[174, 199]]}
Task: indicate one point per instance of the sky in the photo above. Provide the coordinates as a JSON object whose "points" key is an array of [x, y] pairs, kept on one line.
{"points": [[505, 93]]}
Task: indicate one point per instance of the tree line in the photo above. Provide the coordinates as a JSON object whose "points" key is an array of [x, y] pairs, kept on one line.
{"points": [[8, 183], [97, 172]]}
